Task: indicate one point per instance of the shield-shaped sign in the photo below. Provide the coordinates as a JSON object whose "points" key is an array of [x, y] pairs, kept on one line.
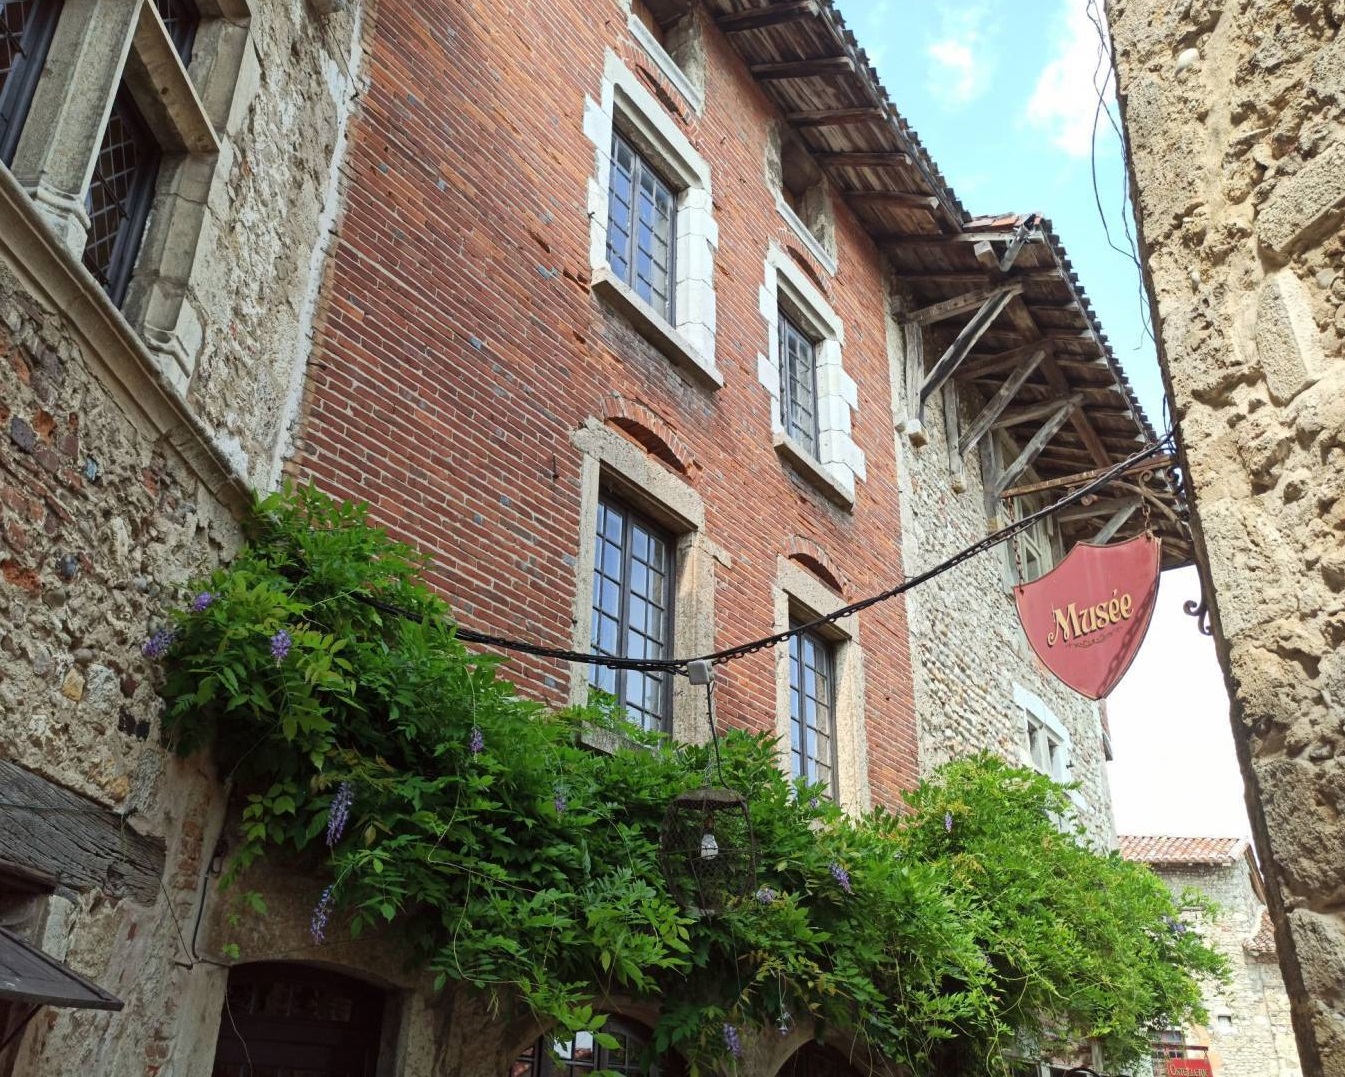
{"points": [[1087, 617]]}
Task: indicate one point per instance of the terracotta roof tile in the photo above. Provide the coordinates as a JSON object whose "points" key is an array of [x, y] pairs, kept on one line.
{"points": [[1155, 849], [1263, 942]]}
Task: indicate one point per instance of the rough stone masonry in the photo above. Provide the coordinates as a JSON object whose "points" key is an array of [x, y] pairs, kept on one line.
{"points": [[1235, 115]]}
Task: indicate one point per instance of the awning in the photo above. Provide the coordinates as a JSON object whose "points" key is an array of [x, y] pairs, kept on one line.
{"points": [[28, 975]]}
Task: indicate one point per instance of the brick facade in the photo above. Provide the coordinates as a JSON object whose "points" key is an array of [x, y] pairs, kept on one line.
{"points": [[461, 345]]}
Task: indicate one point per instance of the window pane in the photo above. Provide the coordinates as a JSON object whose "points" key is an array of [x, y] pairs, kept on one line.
{"points": [[26, 27], [811, 704], [632, 605], [119, 196], [798, 385]]}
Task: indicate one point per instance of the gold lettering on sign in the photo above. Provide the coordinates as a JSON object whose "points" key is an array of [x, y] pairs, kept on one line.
{"points": [[1071, 622]]}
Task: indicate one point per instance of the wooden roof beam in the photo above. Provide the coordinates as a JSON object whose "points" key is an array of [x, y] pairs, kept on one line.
{"points": [[1029, 413], [935, 276], [1118, 519], [900, 199], [984, 366], [951, 308], [1016, 244], [906, 241], [1100, 507], [835, 117], [771, 15], [1154, 463], [981, 425], [1056, 379], [883, 159], [1063, 410], [803, 69]]}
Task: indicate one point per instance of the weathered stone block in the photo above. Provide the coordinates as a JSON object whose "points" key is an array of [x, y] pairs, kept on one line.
{"points": [[1302, 204], [1288, 343]]}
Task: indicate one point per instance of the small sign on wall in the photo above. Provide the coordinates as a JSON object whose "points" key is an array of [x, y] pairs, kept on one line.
{"points": [[1189, 1067], [1087, 617]]}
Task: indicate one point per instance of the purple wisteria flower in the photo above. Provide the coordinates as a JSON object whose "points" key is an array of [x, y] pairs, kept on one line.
{"points": [[201, 602], [281, 643], [813, 803], [339, 812], [322, 912], [732, 1041], [157, 645], [841, 876], [948, 821], [477, 743], [559, 801], [766, 895]]}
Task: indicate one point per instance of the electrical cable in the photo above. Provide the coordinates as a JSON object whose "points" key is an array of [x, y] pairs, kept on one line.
{"points": [[729, 654]]}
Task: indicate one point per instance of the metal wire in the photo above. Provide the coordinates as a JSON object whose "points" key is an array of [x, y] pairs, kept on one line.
{"points": [[741, 650]]}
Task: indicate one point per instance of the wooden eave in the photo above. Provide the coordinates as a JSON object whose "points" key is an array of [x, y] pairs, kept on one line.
{"points": [[812, 68]]}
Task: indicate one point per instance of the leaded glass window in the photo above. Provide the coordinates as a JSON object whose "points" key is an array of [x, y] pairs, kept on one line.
{"points": [[640, 236], [798, 385], [632, 610], [812, 709], [26, 27], [119, 196], [180, 18]]}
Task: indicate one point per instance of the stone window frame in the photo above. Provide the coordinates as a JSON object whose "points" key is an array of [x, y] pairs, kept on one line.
{"points": [[681, 61], [612, 463], [799, 596], [626, 105], [818, 233], [95, 49], [1031, 707], [1043, 538], [839, 461]]}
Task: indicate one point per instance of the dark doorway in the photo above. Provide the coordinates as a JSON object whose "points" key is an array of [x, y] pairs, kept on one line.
{"points": [[295, 1021]]}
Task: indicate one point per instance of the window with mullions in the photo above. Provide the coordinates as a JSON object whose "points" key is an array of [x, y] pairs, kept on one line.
{"points": [[180, 19], [798, 385], [582, 1055], [1045, 748], [812, 709], [640, 211], [26, 27], [119, 196], [632, 610]]}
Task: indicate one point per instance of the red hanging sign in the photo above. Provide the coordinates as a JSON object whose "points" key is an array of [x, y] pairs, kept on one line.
{"points": [[1189, 1067], [1087, 617]]}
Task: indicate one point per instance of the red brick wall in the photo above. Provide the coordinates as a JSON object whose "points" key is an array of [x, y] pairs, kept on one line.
{"points": [[459, 346]]}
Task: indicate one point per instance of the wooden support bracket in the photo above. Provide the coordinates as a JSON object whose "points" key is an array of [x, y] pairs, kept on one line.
{"points": [[1020, 237], [1039, 441], [963, 343], [1108, 530], [983, 422], [960, 304]]}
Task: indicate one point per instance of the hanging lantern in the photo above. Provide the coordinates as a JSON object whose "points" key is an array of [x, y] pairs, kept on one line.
{"points": [[706, 849]]}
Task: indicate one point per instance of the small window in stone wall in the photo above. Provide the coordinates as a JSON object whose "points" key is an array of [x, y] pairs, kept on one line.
{"points": [[802, 195], [584, 1055], [1037, 549]]}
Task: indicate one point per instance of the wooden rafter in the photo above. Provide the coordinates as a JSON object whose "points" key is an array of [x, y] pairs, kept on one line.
{"points": [[902, 199], [951, 420], [951, 308], [803, 69], [1028, 413], [1100, 507], [1039, 440], [904, 240], [981, 425], [934, 276], [771, 15], [834, 117], [984, 366], [885, 159]]}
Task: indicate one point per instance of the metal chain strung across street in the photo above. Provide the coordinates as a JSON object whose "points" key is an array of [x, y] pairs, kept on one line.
{"points": [[741, 650]]}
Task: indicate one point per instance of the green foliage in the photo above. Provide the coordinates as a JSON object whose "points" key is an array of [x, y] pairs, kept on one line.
{"points": [[506, 855]]}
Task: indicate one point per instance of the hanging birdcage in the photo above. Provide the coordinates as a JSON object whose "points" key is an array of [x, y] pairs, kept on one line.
{"points": [[706, 849]]}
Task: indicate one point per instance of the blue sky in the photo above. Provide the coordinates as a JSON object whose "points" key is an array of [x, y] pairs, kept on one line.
{"points": [[1003, 97]]}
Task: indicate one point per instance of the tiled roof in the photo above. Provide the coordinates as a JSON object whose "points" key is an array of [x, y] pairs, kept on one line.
{"points": [[1153, 849], [1263, 942]]}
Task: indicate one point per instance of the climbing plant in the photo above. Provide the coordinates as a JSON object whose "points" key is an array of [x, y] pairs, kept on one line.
{"points": [[432, 801]]}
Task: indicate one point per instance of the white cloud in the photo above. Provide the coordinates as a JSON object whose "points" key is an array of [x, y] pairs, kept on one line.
{"points": [[960, 65], [1064, 102]]}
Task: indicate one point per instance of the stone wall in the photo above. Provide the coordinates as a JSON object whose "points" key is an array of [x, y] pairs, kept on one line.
{"points": [[1234, 113], [1255, 1039], [114, 491], [968, 648]]}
